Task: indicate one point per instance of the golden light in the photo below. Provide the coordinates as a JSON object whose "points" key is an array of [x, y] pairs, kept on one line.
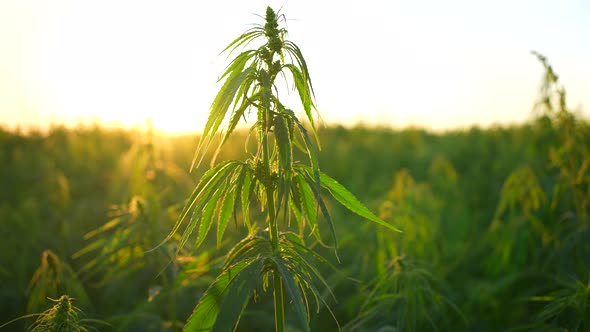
{"points": [[437, 66]]}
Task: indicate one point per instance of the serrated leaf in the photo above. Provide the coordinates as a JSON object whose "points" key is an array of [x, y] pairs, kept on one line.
{"points": [[237, 296], [323, 208], [305, 256], [311, 152], [303, 277], [219, 108], [307, 202], [249, 248], [237, 64], [207, 181], [294, 203], [294, 293], [284, 145], [205, 313], [235, 118], [202, 199], [304, 88], [245, 197], [207, 216], [348, 200], [301, 87], [245, 38], [298, 55], [225, 213], [238, 191]]}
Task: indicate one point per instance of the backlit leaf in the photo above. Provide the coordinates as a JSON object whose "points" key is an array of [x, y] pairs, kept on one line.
{"points": [[226, 210], [348, 200]]}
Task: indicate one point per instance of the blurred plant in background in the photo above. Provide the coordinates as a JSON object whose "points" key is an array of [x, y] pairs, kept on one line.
{"points": [[62, 316]]}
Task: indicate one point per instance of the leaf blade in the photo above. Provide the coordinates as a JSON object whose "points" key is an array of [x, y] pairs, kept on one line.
{"points": [[349, 201]]}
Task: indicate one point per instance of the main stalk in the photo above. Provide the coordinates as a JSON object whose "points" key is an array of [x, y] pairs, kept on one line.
{"points": [[267, 75]]}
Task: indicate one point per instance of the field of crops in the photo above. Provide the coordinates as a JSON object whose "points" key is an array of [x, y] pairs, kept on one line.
{"points": [[495, 229], [377, 230]]}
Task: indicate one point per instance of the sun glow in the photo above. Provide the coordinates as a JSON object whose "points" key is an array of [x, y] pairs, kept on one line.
{"points": [[89, 64], [437, 66]]}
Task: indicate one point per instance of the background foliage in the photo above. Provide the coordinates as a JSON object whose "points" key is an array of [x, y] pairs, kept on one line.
{"points": [[488, 248], [496, 230]]}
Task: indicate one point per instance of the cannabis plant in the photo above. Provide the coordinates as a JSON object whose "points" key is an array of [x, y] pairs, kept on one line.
{"points": [[568, 300], [406, 289], [62, 316], [571, 157], [407, 296], [119, 248], [284, 189], [53, 277], [540, 230]]}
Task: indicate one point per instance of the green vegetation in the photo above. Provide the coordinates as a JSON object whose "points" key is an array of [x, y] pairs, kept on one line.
{"points": [[62, 316], [495, 223], [284, 189]]}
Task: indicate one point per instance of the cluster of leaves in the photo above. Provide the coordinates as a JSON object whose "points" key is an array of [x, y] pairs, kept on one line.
{"points": [[53, 277], [55, 188], [283, 187], [122, 247], [62, 316], [405, 296], [539, 233], [525, 269], [564, 243]]}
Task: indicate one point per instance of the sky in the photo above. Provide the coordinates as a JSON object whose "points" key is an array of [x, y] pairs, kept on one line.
{"points": [[428, 63]]}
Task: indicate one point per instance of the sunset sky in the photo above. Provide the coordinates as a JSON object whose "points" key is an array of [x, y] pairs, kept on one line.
{"points": [[435, 64]]}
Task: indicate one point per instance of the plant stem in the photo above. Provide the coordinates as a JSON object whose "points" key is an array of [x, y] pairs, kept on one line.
{"points": [[274, 239], [279, 307], [272, 223], [272, 214]]}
